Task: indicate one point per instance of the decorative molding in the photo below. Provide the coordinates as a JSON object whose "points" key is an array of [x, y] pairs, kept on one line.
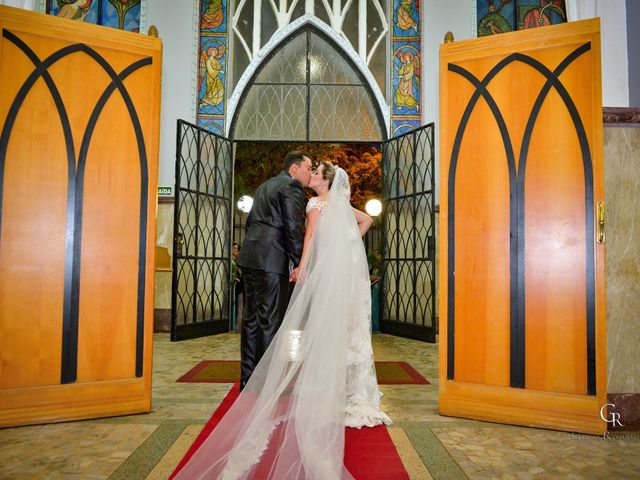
{"points": [[474, 18], [167, 199], [195, 47], [278, 38], [423, 57], [143, 17], [621, 116]]}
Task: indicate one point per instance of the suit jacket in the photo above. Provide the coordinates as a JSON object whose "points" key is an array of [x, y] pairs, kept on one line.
{"points": [[274, 227]]}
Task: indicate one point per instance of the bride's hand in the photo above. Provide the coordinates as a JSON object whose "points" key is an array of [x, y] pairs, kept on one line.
{"points": [[294, 275], [297, 275]]}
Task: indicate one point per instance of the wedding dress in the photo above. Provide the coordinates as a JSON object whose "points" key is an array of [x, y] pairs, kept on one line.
{"points": [[362, 407], [316, 376]]}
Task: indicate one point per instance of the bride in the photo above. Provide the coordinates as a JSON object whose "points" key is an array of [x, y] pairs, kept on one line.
{"points": [[318, 374]]}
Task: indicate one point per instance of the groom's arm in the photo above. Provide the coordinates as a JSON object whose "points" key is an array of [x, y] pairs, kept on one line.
{"points": [[292, 199], [312, 220]]}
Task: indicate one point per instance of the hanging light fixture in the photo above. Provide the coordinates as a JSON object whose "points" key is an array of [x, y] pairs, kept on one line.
{"points": [[373, 207], [245, 202]]}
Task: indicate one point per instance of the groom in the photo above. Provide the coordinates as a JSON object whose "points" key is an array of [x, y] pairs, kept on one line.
{"points": [[272, 247]]}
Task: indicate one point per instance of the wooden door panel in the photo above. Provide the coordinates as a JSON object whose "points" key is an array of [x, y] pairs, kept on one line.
{"points": [[111, 214], [522, 278], [554, 245], [78, 177], [482, 281], [32, 236], [109, 250]]}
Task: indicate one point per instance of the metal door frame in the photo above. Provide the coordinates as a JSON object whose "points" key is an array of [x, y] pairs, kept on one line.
{"points": [[209, 324], [395, 297]]}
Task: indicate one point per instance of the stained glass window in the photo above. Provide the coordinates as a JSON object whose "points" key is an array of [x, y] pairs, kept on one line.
{"points": [[308, 91]]}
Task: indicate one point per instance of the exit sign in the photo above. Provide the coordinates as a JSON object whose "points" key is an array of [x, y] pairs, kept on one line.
{"points": [[165, 191]]}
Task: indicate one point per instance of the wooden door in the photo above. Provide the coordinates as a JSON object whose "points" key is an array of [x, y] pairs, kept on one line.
{"points": [[79, 114], [522, 305]]}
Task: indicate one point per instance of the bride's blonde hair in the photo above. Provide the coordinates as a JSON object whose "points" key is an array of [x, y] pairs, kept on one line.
{"points": [[328, 172]]}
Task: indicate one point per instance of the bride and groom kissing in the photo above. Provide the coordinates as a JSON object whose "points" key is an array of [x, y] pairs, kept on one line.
{"points": [[307, 367]]}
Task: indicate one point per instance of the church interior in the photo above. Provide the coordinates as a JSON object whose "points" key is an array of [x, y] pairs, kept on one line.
{"points": [[494, 142]]}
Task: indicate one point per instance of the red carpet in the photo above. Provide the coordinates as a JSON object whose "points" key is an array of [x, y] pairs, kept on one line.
{"points": [[228, 371], [369, 452]]}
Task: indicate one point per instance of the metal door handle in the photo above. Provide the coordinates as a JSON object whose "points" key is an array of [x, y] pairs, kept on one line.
{"points": [[600, 236]]}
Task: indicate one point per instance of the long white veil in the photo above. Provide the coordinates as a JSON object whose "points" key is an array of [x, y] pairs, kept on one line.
{"points": [[294, 403]]}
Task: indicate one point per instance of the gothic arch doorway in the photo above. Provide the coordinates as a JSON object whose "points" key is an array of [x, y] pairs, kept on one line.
{"points": [[308, 89]]}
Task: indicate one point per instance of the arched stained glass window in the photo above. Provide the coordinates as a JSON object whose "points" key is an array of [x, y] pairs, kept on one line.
{"points": [[308, 91]]}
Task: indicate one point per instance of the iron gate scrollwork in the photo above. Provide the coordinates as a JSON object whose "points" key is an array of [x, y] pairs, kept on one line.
{"points": [[408, 224], [201, 291]]}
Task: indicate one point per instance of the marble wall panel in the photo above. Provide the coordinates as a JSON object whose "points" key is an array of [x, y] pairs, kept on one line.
{"points": [[164, 239], [622, 203]]}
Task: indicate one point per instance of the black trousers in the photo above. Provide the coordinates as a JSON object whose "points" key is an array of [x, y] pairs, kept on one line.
{"points": [[266, 296]]}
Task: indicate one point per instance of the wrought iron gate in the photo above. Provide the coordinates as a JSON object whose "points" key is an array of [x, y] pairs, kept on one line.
{"points": [[408, 225], [201, 292]]}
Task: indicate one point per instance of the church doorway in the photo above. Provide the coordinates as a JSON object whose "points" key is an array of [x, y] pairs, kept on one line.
{"points": [[307, 93]]}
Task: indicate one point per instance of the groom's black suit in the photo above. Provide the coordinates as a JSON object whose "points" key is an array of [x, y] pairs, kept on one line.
{"points": [[273, 242]]}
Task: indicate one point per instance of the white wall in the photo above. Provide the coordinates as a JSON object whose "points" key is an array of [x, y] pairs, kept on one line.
{"points": [[175, 27], [440, 17], [633, 42], [613, 33], [26, 4], [615, 62]]}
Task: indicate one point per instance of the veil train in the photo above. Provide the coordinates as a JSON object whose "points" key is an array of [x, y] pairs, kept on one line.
{"points": [[294, 403]]}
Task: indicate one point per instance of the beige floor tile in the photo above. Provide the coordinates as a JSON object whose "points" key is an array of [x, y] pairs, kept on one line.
{"points": [[539, 454], [83, 450], [176, 452]]}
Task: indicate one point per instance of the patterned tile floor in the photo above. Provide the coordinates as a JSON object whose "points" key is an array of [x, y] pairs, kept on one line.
{"points": [[149, 446]]}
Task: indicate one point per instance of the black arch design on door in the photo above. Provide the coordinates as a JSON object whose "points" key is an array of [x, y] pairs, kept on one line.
{"points": [[75, 189], [517, 237]]}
